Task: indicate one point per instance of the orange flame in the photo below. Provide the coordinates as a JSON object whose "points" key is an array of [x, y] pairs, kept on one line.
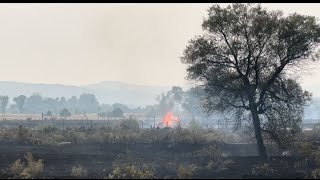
{"points": [[169, 119]]}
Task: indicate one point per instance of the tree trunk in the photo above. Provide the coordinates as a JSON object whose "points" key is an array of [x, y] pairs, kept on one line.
{"points": [[258, 135]]}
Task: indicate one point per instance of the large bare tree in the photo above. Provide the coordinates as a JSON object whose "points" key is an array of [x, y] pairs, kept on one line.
{"points": [[242, 63]]}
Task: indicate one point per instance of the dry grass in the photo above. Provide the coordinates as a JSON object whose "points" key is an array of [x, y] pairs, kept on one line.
{"points": [[79, 171], [32, 170]]}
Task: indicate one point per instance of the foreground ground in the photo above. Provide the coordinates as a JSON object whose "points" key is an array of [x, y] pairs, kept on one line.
{"points": [[98, 160], [126, 151]]}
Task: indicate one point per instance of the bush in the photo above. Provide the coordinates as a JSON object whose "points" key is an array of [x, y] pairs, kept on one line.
{"points": [[8, 134], [130, 171], [305, 149], [211, 153], [219, 165], [32, 170], [24, 134], [262, 170], [16, 168], [79, 171], [314, 159], [311, 154], [181, 135], [315, 173], [226, 164], [184, 172], [48, 129], [214, 136], [126, 125], [212, 165]]}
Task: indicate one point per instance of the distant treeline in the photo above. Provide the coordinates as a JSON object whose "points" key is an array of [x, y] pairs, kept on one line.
{"points": [[86, 103], [174, 100]]}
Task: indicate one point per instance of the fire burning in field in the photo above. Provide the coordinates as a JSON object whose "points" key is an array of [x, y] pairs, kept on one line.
{"points": [[169, 119]]}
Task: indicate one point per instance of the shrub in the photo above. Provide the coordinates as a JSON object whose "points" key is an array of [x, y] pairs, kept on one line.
{"points": [[214, 136], [184, 172], [16, 168], [8, 134], [219, 164], [305, 149], [211, 165], [79, 171], [211, 152], [226, 164], [310, 153], [264, 170], [181, 135], [301, 165], [315, 173], [32, 170], [52, 140], [130, 171], [48, 129], [23, 134], [131, 124], [314, 159]]}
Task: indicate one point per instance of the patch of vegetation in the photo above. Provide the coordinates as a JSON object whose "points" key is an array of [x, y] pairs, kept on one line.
{"points": [[262, 170], [79, 171], [130, 171], [184, 172], [32, 170]]}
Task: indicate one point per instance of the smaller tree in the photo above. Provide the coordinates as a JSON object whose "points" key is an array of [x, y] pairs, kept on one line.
{"points": [[65, 113], [117, 112], [20, 102], [4, 102], [49, 113], [167, 101]]}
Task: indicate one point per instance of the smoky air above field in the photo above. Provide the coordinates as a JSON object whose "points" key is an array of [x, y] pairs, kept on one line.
{"points": [[81, 44]]}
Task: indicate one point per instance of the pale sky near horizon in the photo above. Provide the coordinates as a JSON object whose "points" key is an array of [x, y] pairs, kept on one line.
{"points": [[78, 44]]}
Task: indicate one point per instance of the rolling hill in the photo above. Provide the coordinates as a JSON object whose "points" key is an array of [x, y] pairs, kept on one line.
{"points": [[107, 92]]}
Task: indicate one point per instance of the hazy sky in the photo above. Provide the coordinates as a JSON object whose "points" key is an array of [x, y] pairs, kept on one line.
{"points": [[80, 44]]}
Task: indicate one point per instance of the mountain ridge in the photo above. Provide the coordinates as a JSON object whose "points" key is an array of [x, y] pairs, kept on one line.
{"points": [[107, 92]]}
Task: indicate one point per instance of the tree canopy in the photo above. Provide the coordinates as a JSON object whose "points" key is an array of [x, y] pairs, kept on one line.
{"points": [[243, 62]]}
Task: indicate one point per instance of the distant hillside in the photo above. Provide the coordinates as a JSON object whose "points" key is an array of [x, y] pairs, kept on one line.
{"points": [[106, 92]]}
